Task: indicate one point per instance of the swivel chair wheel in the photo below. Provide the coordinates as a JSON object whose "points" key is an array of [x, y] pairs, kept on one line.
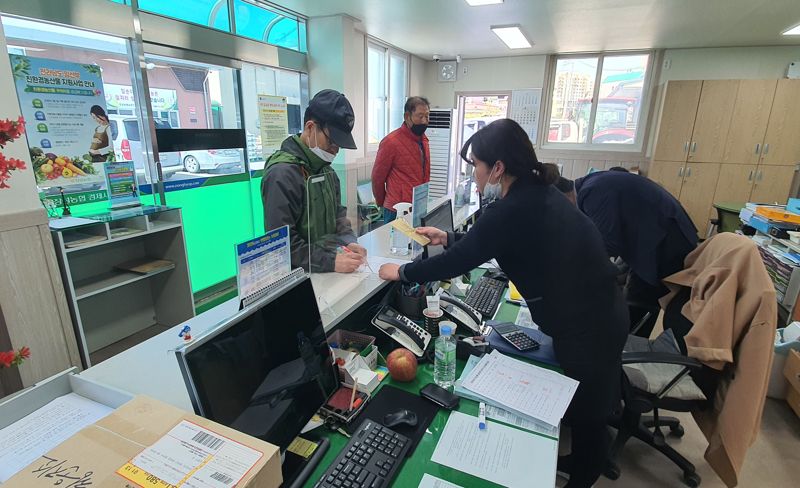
{"points": [[677, 431], [692, 480], [612, 472]]}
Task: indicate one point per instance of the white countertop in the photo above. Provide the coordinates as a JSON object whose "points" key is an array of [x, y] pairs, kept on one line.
{"points": [[151, 368]]}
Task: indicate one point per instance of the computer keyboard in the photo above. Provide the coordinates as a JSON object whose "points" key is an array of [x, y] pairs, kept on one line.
{"points": [[485, 296], [369, 460]]}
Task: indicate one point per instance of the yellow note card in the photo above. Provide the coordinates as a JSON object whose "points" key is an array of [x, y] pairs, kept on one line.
{"points": [[302, 447], [405, 228]]}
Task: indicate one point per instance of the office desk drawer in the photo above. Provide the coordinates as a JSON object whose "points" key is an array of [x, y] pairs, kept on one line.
{"points": [[792, 370]]}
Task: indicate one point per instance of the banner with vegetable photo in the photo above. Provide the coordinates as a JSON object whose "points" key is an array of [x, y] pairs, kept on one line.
{"points": [[68, 127]]}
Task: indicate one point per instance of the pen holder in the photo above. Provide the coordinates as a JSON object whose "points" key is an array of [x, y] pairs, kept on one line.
{"points": [[432, 318], [346, 339], [411, 306]]}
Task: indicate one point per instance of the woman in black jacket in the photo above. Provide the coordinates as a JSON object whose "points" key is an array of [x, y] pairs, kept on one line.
{"points": [[555, 256]]}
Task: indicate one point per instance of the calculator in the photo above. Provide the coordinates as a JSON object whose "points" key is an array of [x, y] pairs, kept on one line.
{"points": [[515, 335]]}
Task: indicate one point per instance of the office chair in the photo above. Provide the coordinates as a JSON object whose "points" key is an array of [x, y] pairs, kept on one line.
{"points": [[369, 213], [659, 375]]}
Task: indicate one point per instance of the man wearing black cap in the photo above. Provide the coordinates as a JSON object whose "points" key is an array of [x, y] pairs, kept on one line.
{"points": [[321, 236]]}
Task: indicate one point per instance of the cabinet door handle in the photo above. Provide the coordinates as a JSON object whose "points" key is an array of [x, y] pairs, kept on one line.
{"points": [[759, 175], [750, 177], [694, 146], [680, 172], [688, 172], [758, 146], [766, 149], [685, 146]]}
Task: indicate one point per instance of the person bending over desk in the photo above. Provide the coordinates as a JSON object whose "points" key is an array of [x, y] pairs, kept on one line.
{"points": [[555, 256]]}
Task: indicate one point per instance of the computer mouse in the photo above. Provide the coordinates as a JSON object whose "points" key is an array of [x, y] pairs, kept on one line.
{"points": [[399, 417]]}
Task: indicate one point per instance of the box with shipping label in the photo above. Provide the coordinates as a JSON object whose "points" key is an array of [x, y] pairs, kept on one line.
{"points": [[146, 442]]}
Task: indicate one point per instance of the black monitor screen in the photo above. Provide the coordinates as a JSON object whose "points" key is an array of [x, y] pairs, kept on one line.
{"points": [[268, 373], [440, 217]]}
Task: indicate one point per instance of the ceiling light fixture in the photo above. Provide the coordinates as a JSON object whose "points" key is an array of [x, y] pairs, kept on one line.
{"points": [[512, 36], [478, 3], [794, 31]]}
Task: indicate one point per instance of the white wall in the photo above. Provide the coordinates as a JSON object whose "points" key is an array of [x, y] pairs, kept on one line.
{"points": [[22, 194], [485, 74], [728, 63], [417, 77]]}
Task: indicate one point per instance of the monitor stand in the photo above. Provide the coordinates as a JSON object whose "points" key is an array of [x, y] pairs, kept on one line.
{"points": [[297, 469]]}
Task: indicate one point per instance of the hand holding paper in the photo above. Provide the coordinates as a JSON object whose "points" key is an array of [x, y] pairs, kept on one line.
{"points": [[405, 228]]}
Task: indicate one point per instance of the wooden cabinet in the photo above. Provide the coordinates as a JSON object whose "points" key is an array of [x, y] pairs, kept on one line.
{"points": [[751, 111], [782, 140], [668, 174], [735, 182], [727, 140], [678, 113], [713, 120], [695, 196], [771, 184]]}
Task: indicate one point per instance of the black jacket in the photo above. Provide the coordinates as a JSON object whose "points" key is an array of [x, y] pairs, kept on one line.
{"points": [[640, 222], [556, 258]]}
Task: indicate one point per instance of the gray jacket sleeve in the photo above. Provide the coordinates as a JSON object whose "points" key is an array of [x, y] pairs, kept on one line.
{"points": [[282, 193]]}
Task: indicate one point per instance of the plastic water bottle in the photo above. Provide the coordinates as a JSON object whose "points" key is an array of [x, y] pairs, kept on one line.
{"points": [[444, 362], [400, 241]]}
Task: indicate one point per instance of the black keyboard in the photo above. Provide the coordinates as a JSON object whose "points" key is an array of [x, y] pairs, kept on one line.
{"points": [[485, 296], [369, 460]]}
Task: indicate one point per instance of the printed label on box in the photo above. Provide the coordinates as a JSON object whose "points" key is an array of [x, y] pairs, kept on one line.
{"points": [[193, 457]]}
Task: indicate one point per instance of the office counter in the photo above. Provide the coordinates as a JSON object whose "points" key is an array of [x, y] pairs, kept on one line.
{"points": [[150, 368]]}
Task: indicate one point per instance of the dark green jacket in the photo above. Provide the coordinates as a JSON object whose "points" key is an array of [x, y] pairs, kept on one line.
{"points": [[302, 191]]}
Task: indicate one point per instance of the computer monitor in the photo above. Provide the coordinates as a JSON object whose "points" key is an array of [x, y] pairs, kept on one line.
{"points": [[440, 217], [266, 370]]}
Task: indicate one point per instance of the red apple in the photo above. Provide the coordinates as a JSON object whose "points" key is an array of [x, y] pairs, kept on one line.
{"points": [[402, 365]]}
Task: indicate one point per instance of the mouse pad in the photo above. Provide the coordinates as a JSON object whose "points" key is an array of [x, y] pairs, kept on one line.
{"points": [[389, 400]]}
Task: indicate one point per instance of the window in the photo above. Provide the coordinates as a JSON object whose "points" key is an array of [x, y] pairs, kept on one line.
{"points": [[475, 112], [256, 21], [598, 100], [387, 90], [209, 13]]}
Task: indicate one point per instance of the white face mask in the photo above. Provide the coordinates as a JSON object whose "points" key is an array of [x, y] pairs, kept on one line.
{"points": [[322, 154], [492, 191]]}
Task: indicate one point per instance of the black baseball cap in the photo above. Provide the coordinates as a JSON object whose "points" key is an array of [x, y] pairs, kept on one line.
{"points": [[335, 112]]}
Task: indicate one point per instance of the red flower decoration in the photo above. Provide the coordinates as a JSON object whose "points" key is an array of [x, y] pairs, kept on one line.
{"points": [[9, 131], [6, 358], [25, 352]]}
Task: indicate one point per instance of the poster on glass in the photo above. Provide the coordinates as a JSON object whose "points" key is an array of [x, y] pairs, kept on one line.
{"points": [[69, 135]]}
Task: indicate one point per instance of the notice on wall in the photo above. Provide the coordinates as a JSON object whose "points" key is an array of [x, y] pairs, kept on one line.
{"points": [[262, 261], [121, 184], [69, 135], [273, 115], [525, 106]]}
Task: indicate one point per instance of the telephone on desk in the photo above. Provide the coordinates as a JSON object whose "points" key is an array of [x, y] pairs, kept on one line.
{"points": [[461, 313], [402, 329]]}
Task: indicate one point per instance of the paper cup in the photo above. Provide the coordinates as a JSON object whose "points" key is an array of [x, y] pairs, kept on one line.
{"points": [[432, 318]]}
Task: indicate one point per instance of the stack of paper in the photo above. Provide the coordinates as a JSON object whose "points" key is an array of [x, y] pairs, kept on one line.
{"points": [[498, 413], [521, 388]]}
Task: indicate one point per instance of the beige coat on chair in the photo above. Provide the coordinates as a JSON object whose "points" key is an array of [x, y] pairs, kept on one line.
{"points": [[734, 312]]}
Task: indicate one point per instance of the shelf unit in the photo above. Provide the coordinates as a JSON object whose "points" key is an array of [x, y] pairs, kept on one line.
{"points": [[114, 309], [785, 275]]}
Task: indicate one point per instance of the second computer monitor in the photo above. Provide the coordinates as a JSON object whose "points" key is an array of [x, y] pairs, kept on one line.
{"points": [[440, 217]]}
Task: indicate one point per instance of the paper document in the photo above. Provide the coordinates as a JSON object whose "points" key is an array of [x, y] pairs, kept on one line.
{"points": [[374, 263], [501, 454], [524, 319], [24, 441], [498, 413], [429, 481], [521, 387], [402, 226]]}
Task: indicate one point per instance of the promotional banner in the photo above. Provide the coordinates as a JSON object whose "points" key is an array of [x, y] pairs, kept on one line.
{"points": [[273, 115], [120, 97], [121, 184], [262, 261], [68, 128]]}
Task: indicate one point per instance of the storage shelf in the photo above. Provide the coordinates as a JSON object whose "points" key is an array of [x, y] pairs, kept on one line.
{"points": [[156, 227], [106, 352], [109, 281]]}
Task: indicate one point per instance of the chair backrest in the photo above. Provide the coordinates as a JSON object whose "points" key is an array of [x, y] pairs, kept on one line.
{"points": [[364, 191]]}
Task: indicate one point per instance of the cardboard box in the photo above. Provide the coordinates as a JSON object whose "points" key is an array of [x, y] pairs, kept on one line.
{"points": [[128, 447]]}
